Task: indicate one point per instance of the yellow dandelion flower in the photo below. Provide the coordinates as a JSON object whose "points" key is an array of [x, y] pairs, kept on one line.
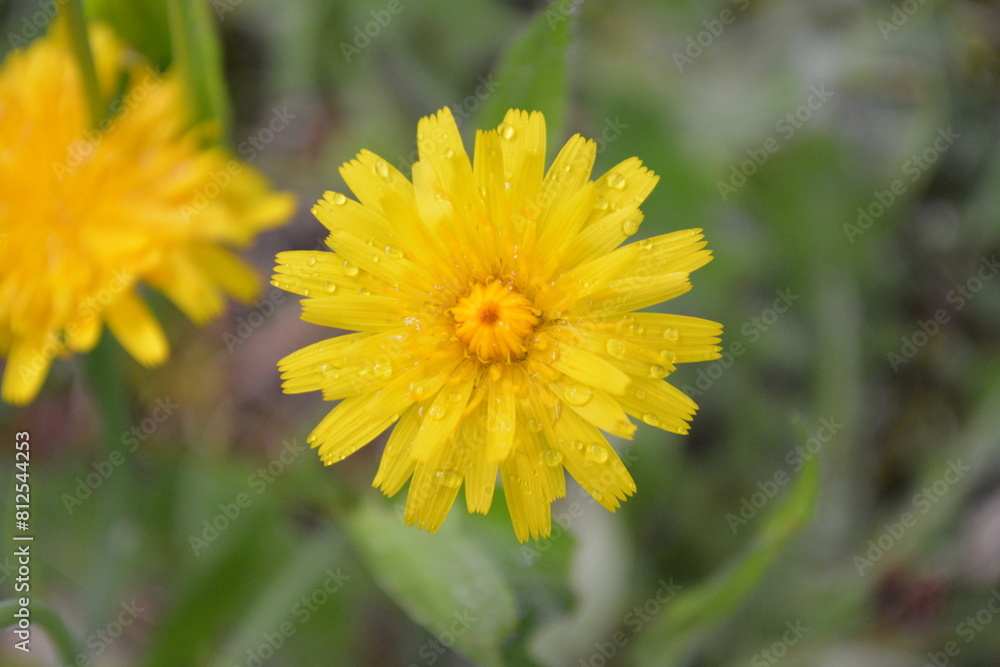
{"points": [[494, 315], [87, 214]]}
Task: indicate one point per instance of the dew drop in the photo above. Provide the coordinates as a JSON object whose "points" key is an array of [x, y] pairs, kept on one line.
{"points": [[578, 394], [382, 370], [339, 199], [456, 397], [668, 356], [382, 169], [616, 181], [630, 227], [657, 371], [578, 445], [329, 287], [508, 174], [506, 131], [436, 412], [448, 153], [597, 453], [616, 348], [600, 203], [651, 419], [551, 458], [448, 478], [646, 244], [671, 334], [374, 258], [349, 269], [310, 261], [534, 425], [363, 291], [394, 252], [640, 394]]}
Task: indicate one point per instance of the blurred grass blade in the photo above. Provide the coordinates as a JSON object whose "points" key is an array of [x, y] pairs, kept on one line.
{"points": [[197, 57], [697, 610], [533, 75], [312, 566], [46, 617], [444, 582]]}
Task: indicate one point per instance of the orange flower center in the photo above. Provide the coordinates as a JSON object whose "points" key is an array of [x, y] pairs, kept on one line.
{"points": [[494, 320]]}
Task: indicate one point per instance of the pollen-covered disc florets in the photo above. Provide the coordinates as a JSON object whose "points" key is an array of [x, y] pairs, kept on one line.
{"points": [[494, 320], [494, 304]]}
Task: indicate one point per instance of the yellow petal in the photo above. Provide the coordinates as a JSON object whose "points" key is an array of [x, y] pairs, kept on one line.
{"points": [[356, 422], [27, 366], [135, 327]]}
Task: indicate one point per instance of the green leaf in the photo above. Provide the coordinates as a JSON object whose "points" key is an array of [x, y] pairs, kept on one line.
{"points": [[197, 55], [444, 582], [695, 611], [533, 75]]}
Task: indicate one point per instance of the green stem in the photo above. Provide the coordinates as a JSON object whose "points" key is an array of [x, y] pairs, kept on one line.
{"points": [[47, 618], [80, 43], [104, 372]]}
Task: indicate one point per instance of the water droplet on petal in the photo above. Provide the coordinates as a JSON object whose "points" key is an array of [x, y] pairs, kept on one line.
{"points": [[329, 287], [578, 445], [646, 244], [668, 356], [597, 453], [578, 394], [436, 412], [448, 478], [394, 252], [651, 419], [349, 269], [382, 370], [640, 394], [310, 261], [630, 227], [506, 131], [616, 181], [534, 425], [616, 348], [657, 371], [456, 396], [382, 169], [339, 199], [448, 153], [671, 334], [363, 291], [552, 458]]}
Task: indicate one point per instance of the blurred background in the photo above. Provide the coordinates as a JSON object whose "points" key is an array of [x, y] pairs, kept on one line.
{"points": [[841, 158]]}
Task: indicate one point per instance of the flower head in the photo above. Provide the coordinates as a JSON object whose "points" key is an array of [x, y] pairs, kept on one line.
{"points": [[87, 214], [494, 315]]}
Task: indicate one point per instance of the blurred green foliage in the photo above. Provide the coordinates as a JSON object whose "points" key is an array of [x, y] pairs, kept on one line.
{"points": [[842, 160]]}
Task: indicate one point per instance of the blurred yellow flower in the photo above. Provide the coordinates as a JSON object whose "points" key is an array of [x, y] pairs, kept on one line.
{"points": [[86, 214], [495, 321]]}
